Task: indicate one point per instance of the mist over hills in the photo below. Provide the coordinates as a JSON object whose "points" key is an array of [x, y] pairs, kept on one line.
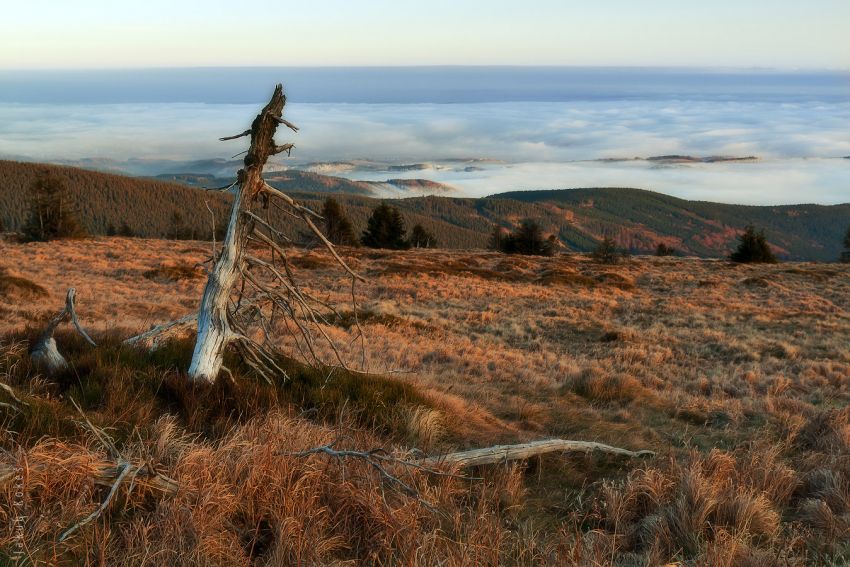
{"points": [[480, 130], [636, 219]]}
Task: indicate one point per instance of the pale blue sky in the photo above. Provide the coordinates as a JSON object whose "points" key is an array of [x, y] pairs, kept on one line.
{"points": [[163, 33]]}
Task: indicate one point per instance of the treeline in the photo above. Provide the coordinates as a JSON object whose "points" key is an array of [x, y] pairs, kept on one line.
{"points": [[635, 221], [385, 228], [141, 207], [107, 204]]}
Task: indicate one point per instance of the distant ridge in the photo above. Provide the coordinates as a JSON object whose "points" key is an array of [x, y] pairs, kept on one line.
{"points": [[637, 219]]}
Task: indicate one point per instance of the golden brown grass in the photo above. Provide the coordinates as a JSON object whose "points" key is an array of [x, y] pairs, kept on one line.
{"points": [[738, 376]]}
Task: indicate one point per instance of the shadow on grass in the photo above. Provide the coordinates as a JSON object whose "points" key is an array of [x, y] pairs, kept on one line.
{"points": [[123, 388]]}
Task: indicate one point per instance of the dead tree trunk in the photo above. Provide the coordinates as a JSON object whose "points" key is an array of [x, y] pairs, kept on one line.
{"points": [[44, 352], [214, 331], [223, 317]]}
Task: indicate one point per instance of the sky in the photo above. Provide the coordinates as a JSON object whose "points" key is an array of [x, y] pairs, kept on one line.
{"points": [[92, 34]]}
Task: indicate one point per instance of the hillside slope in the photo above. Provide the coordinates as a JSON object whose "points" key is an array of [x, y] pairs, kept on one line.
{"points": [[160, 209], [636, 219], [639, 219]]}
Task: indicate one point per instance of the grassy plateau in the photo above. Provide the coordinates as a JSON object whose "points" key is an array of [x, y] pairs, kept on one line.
{"points": [[736, 376]]}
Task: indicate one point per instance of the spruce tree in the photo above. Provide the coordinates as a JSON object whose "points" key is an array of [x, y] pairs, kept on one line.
{"points": [[528, 239], [52, 215], [385, 229], [753, 247], [338, 227], [496, 237]]}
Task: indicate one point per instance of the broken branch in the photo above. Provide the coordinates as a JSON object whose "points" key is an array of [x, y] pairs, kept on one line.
{"points": [[245, 133], [286, 123]]}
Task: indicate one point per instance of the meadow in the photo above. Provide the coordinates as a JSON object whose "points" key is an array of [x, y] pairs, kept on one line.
{"points": [[736, 376]]}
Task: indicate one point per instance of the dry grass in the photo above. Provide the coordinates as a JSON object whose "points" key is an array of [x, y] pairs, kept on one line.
{"points": [[738, 376], [174, 272]]}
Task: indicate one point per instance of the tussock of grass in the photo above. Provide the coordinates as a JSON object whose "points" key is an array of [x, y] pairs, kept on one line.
{"points": [[312, 261], [174, 273], [11, 285], [566, 277], [597, 385]]}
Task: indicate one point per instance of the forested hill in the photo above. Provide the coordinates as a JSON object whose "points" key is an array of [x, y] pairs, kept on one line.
{"points": [[637, 219], [153, 208]]}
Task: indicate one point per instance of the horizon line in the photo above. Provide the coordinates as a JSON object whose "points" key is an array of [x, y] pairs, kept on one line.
{"points": [[331, 66]]}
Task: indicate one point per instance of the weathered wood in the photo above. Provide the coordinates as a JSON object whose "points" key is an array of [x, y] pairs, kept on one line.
{"points": [[104, 473], [153, 338], [504, 453], [214, 330], [44, 353]]}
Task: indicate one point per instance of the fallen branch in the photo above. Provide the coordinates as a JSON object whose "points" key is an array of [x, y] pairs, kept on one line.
{"points": [[112, 472], [504, 453], [123, 470], [377, 459], [8, 389], [105, 474], [154, 337]]}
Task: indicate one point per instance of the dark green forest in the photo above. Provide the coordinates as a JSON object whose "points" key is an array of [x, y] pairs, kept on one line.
{"points": [[636, 220]]}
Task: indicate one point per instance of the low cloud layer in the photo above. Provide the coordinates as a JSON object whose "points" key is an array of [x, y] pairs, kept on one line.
{"points": [[539, 141]]}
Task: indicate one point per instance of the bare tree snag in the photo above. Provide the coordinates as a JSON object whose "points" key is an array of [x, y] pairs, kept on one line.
{"points": [[504, 453], [44, 353], [223, 316], [214, 330]]}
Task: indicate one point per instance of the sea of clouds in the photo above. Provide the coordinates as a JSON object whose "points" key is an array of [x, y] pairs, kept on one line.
{"points": [[800, 142]]}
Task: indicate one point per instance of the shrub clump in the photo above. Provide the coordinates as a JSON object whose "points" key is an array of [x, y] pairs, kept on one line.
{"points": [[527, 240], [420, 237], [606, 252], [664, 250]]}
